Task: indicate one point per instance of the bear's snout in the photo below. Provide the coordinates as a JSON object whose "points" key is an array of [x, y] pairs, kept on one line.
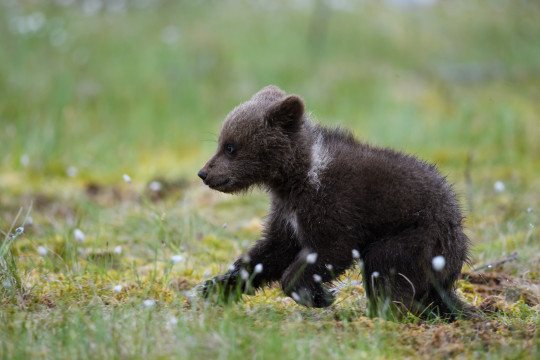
{"points": [[202, 174]]}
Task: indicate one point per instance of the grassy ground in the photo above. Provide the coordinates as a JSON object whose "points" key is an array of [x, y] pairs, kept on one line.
{"points": [[93, 90]]}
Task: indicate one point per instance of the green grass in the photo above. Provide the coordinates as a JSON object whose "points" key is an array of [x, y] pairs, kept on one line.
{"points": [[454, 83]]}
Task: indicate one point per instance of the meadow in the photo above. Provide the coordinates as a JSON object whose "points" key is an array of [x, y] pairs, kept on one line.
{"points": [[109, 108]]}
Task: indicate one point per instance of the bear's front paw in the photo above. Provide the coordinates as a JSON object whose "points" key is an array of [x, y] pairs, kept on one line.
{"points": [[227, 287], [318, 297]]}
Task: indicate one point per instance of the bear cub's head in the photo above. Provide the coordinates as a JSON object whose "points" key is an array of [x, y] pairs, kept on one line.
{"points": [[256, 142]]}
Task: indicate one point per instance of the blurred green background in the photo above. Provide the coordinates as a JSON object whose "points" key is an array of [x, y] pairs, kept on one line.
{"points": [[93, 89]]}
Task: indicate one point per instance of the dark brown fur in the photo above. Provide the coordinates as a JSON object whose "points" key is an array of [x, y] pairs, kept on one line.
{"points": [[332, 195]]}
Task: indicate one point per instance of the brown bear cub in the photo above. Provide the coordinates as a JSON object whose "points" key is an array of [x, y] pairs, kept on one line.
{"points": [[335, 200]]}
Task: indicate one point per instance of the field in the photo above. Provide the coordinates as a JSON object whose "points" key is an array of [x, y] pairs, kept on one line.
{"points": [[109, 108]]}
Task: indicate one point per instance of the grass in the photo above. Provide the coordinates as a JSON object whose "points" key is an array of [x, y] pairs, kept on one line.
{"points": [[89, 96]]}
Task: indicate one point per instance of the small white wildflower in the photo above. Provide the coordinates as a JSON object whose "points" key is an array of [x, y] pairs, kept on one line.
{"points": [[170, 35], [317, 277], [231, 267], [311, 258], [258, 268], [149, 303], [438, 263], [42, 250], [375, 274], [330, 267], [25, 160], [71, 171], [246, 258], [58, 37], [35, 21], [244, 274], [127, 178], [225, 225], [529, 210], [173, 320], [295, 296], [29, 220], [79, 235], [177, 258], [155, 186], [245, 244], [117, 289], [355, 254], [207, 273], [118, 250], [18, 231], [498, 186]]}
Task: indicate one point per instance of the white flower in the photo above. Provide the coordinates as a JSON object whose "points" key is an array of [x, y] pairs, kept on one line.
{"points": [[117, 289], [177, 258], [148, 303], [231, 267], [375, 274], [170, 34], [207, 273], [244, 274], [258, 268], [355, 254], [18, 231], [155, 186], [127, 178], [42, 250], [245, 244], [25, 160], [311, 258], [529, 210], [438, 263], [71, 171], [317, 277], [118, 250], [329, 267], [246, 258], [79, 235], [498, 186], [295, 296], [173, 320], [225, 225]]}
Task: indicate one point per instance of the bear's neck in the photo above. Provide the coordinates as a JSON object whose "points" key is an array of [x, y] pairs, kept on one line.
{"points": [[298, 175]]}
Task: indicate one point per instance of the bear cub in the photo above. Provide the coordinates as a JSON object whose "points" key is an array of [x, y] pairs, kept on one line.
{"points": [[335, 201]]}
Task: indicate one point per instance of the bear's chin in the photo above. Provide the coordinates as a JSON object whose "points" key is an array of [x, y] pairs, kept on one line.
{"points": [[230, 188], [227, 186]]}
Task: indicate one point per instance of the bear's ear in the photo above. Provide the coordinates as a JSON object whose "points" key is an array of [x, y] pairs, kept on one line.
{"points": [[287, 113]]}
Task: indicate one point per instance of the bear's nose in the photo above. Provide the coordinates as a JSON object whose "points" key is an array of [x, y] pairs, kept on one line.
{"points": [[202, 174]]}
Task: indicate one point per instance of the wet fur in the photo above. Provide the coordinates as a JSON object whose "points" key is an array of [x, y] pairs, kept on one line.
{"points": [[330, 195]]}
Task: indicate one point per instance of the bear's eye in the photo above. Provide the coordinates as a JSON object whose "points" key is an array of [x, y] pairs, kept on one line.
{"points": [[229, 149]]}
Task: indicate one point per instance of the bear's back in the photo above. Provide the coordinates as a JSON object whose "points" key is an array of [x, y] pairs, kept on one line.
{"points": [[381, 186]]}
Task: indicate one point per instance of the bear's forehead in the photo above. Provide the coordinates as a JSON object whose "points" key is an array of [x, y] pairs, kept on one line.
{"points": [[244, 117]]}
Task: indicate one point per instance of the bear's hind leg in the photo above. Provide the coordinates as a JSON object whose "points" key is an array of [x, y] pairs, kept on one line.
{"points": [[398, 270]]}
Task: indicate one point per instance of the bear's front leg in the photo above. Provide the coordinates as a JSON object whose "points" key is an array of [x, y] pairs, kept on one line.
{"points": [[304, 279], [264, 263]]}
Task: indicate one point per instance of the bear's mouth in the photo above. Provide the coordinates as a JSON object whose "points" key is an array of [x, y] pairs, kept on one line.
{"points": [[220, 185]]}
